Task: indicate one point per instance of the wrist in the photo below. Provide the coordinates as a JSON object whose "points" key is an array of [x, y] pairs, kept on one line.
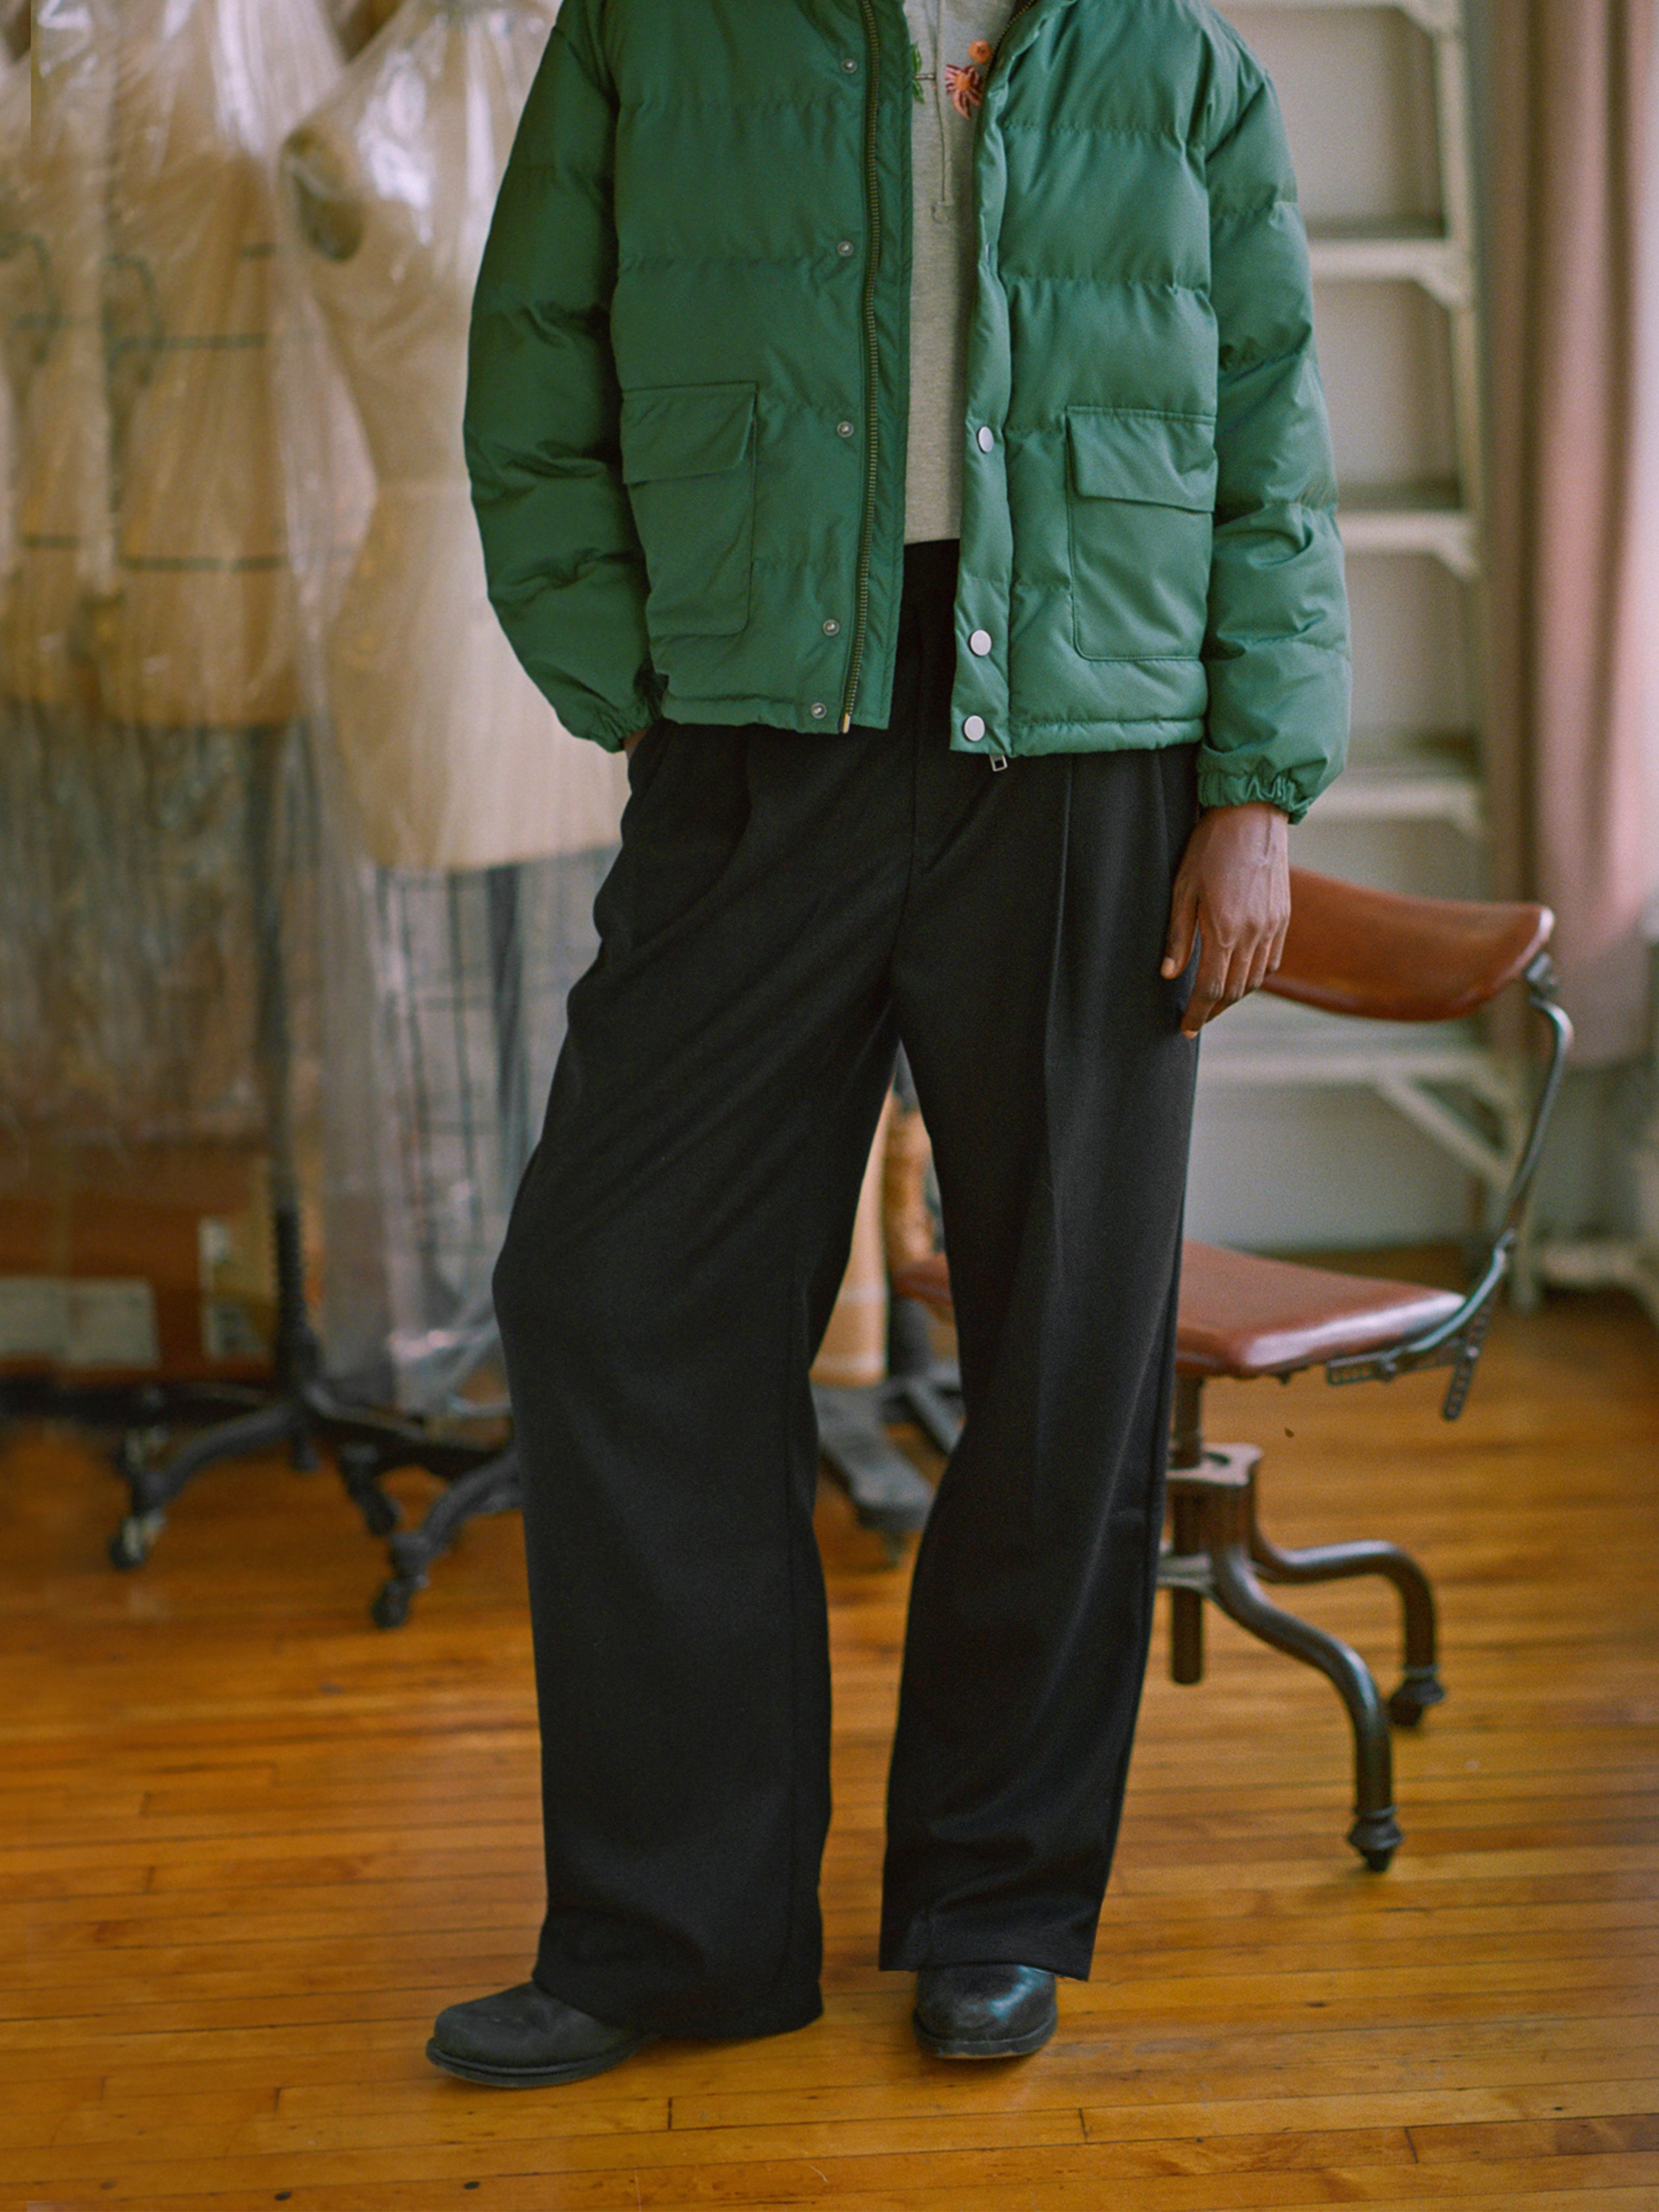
{"points": [[1254, 824]]}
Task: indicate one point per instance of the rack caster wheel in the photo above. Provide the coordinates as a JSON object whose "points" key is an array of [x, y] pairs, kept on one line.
{"points": [[360, 1472], [390, 1609], [138, 1451], [380, 1515], [133, 1541], [1422, 1688], [1376, 1837]]}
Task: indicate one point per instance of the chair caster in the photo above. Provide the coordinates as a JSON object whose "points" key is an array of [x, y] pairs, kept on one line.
{"points": [[1420, 1689], [133, 1541], [1377, 1837], [390, 1607]]}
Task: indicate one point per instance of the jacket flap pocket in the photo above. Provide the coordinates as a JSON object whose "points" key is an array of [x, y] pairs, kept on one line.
{"points": [[685, 430], [1160, 460]]}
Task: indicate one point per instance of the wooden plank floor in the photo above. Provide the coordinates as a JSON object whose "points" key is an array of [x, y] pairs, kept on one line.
{"points": [[249, 1845]]}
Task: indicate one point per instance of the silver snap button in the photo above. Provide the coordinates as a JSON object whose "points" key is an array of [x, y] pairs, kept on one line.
{"points": [[844, 246], [843, 429], [984, 439], [980, 642], [831, 627], [819, 710], [851, 66], [974, 728]]}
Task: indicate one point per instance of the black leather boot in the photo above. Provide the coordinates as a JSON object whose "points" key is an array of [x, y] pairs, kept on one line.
{"points": [[985, 2012], [522, 2038]]}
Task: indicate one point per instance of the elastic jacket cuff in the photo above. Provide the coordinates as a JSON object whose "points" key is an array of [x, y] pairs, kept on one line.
{"points": [[1217, 788], [612, 726]]}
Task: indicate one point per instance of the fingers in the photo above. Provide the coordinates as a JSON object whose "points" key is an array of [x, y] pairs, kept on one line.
{"points": [[1183, 926], [1228, 972], [1210, 985], [1232, 974], [1231, 904], [1269, 951], [1260, 966]]}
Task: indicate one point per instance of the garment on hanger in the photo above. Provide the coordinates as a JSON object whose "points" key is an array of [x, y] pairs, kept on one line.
{"points": [[156, 788], [148, 625], [452, 757], [23, 890], [54, 936], [489, 828], [457, 980], [22, 294], [60, 186], [202, 630]]}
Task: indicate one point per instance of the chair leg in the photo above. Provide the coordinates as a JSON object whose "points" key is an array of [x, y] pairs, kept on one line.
{"points": [[1186, 1648], [1376, 1833], [1420, 1685]]}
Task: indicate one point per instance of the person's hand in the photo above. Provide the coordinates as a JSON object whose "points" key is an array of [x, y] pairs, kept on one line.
{"points": [[629, 743], [1233, 893]]}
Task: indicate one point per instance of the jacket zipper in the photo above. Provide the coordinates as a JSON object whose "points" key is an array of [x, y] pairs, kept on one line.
{"points": [[872, 358], [872, 364], [998, 756], [1007, 28]]}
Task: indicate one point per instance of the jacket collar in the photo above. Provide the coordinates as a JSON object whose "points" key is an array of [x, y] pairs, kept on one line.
{"points": [[1021, 28], [1024, 24], [826, 11]]}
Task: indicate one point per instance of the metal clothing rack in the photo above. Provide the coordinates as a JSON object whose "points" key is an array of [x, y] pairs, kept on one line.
{"points": [[301, 1411], [888, 1495]]}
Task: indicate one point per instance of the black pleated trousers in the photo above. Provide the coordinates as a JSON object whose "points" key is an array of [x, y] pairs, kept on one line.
{"points": [[785, 910]]}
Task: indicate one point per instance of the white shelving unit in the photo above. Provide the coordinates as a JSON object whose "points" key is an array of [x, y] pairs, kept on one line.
{"points": [[1421, 779], [1454, 1089], [1441, 1077]]}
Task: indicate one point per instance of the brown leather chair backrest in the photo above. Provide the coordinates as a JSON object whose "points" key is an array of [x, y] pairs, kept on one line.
{"points": [[1351, 950]]}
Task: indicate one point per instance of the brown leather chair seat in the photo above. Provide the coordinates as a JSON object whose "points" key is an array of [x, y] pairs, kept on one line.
{"points": [[1246, 1316]]}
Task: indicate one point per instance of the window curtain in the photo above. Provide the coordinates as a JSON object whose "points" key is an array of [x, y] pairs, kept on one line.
{"points": [[1571, 112]]}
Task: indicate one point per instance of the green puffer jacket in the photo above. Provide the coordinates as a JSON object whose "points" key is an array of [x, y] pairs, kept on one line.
{"points": [[686, 411]]}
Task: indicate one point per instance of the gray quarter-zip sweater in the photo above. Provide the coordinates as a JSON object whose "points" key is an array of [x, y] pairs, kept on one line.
{"points": [[952, 42]]}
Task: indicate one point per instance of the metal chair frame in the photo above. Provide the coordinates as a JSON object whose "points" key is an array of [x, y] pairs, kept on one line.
{"points": [[1218, 1551]]}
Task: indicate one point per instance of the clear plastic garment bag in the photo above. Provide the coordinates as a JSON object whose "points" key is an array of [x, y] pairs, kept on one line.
{"points": [[151, 669], [54, 943], [293, 855], [479, 827]]}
